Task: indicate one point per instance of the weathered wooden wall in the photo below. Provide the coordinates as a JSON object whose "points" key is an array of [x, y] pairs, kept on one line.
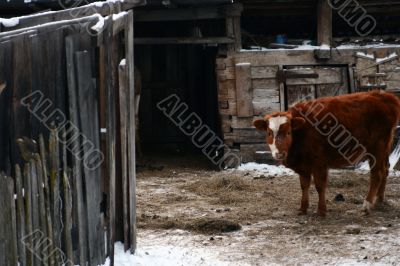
{"points": [[75, 69], [252, 84]]}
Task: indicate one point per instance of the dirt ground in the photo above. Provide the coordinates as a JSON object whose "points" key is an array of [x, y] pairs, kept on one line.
{"points": [[249, 217]]}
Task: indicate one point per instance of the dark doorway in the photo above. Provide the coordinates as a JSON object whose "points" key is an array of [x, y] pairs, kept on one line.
{"points": [[185, 70]]}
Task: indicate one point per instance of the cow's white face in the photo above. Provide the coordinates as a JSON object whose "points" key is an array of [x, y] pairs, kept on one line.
{"points": [[279, 127], [274, 125]]}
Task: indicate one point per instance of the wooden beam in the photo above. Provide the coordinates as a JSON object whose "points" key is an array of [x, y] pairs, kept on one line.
{"points": [[244, 93], [184, 40], [324, 23], [192, 13], [104, 9]]}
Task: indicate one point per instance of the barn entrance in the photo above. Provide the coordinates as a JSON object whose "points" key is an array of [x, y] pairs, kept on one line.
{"points": [[185, 70], [311, 82]]}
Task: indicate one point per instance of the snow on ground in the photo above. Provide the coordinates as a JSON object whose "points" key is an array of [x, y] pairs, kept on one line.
{"points": [[266, 169], [161, 250]]}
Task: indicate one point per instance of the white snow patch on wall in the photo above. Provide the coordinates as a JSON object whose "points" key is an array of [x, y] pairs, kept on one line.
{"points": [[9, 22], [119, 15], [100, 24]]}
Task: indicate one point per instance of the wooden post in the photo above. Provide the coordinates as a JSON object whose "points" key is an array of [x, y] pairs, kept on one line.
{"points": [[131, 128], [77, 172], [111, 51], [20, 215], [8, 230], [123, 112], [324, 23], [244, 92], [28, 212]]}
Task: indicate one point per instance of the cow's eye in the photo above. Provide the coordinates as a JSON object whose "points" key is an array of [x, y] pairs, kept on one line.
{"points": [[269, 134], [288, 133]]}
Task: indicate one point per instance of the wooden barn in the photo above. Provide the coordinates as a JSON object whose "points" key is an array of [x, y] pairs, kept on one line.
{"points": [[232, 62]]}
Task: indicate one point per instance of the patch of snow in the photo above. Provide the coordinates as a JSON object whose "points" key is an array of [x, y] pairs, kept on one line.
{"points": [[123, 62], [325, 47], [390, 57], [119, 15], [266, 169], [98, 27], [27, 1], [9, 22], [165, 255], [365, 55], [243, 64]]}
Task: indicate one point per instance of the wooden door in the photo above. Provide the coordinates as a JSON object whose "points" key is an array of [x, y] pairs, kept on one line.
{"points": [[304, 83]]}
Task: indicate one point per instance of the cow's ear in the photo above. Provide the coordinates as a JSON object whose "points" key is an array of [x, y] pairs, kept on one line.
{"points": [[297, 123], [261, 124]]}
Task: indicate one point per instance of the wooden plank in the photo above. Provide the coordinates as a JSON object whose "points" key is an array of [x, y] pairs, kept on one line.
{"points": [[70, 13], [300, 93], [245, 136], [28, 213], [244, 93], [265, 84], [67, 201], [263, 108], [225, 121], [324, 23], [271, 95], [187, 13], [111, 62], [281, 88], [238, 33], [264, 72], [46, 187], [89, 125], [5, 103], [242, 122], [123, 113], [20, 216], [35, 203], [183, 40], [42, 208], [70, 45], [325, 76], [248, 151], [324, 90], [129, 52], [231, 110], [8, 230]]}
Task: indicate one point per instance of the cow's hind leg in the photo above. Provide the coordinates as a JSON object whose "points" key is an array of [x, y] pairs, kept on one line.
{"points": [[320, 180], [382, 185], [305, 181], [377, 173]]}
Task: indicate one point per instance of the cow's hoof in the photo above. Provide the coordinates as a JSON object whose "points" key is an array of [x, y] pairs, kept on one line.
{"points": [[302, 212], [367, 207], [321, 214], [382, 204]]}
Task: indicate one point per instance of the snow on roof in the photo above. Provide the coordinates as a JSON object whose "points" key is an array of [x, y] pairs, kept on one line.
{"points": [[9, 22]]}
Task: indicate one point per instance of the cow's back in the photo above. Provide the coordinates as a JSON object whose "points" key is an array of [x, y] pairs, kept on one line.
{"points": [[370, 117]]}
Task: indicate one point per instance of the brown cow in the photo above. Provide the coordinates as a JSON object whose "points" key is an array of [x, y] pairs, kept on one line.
{"points": [[335, 132]]}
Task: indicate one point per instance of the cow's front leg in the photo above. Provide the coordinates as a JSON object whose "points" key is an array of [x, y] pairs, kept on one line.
{"points": [[320, 180], [305, 181]]}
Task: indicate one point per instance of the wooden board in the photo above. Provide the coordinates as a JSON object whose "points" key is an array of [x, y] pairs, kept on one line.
{"points": [[5, 103], [325, 76], [264, 72], [89, 124], [8, 230], [244, 93]]}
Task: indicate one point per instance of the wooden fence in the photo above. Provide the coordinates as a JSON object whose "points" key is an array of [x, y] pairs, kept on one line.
{"points": [[62, 82]]}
